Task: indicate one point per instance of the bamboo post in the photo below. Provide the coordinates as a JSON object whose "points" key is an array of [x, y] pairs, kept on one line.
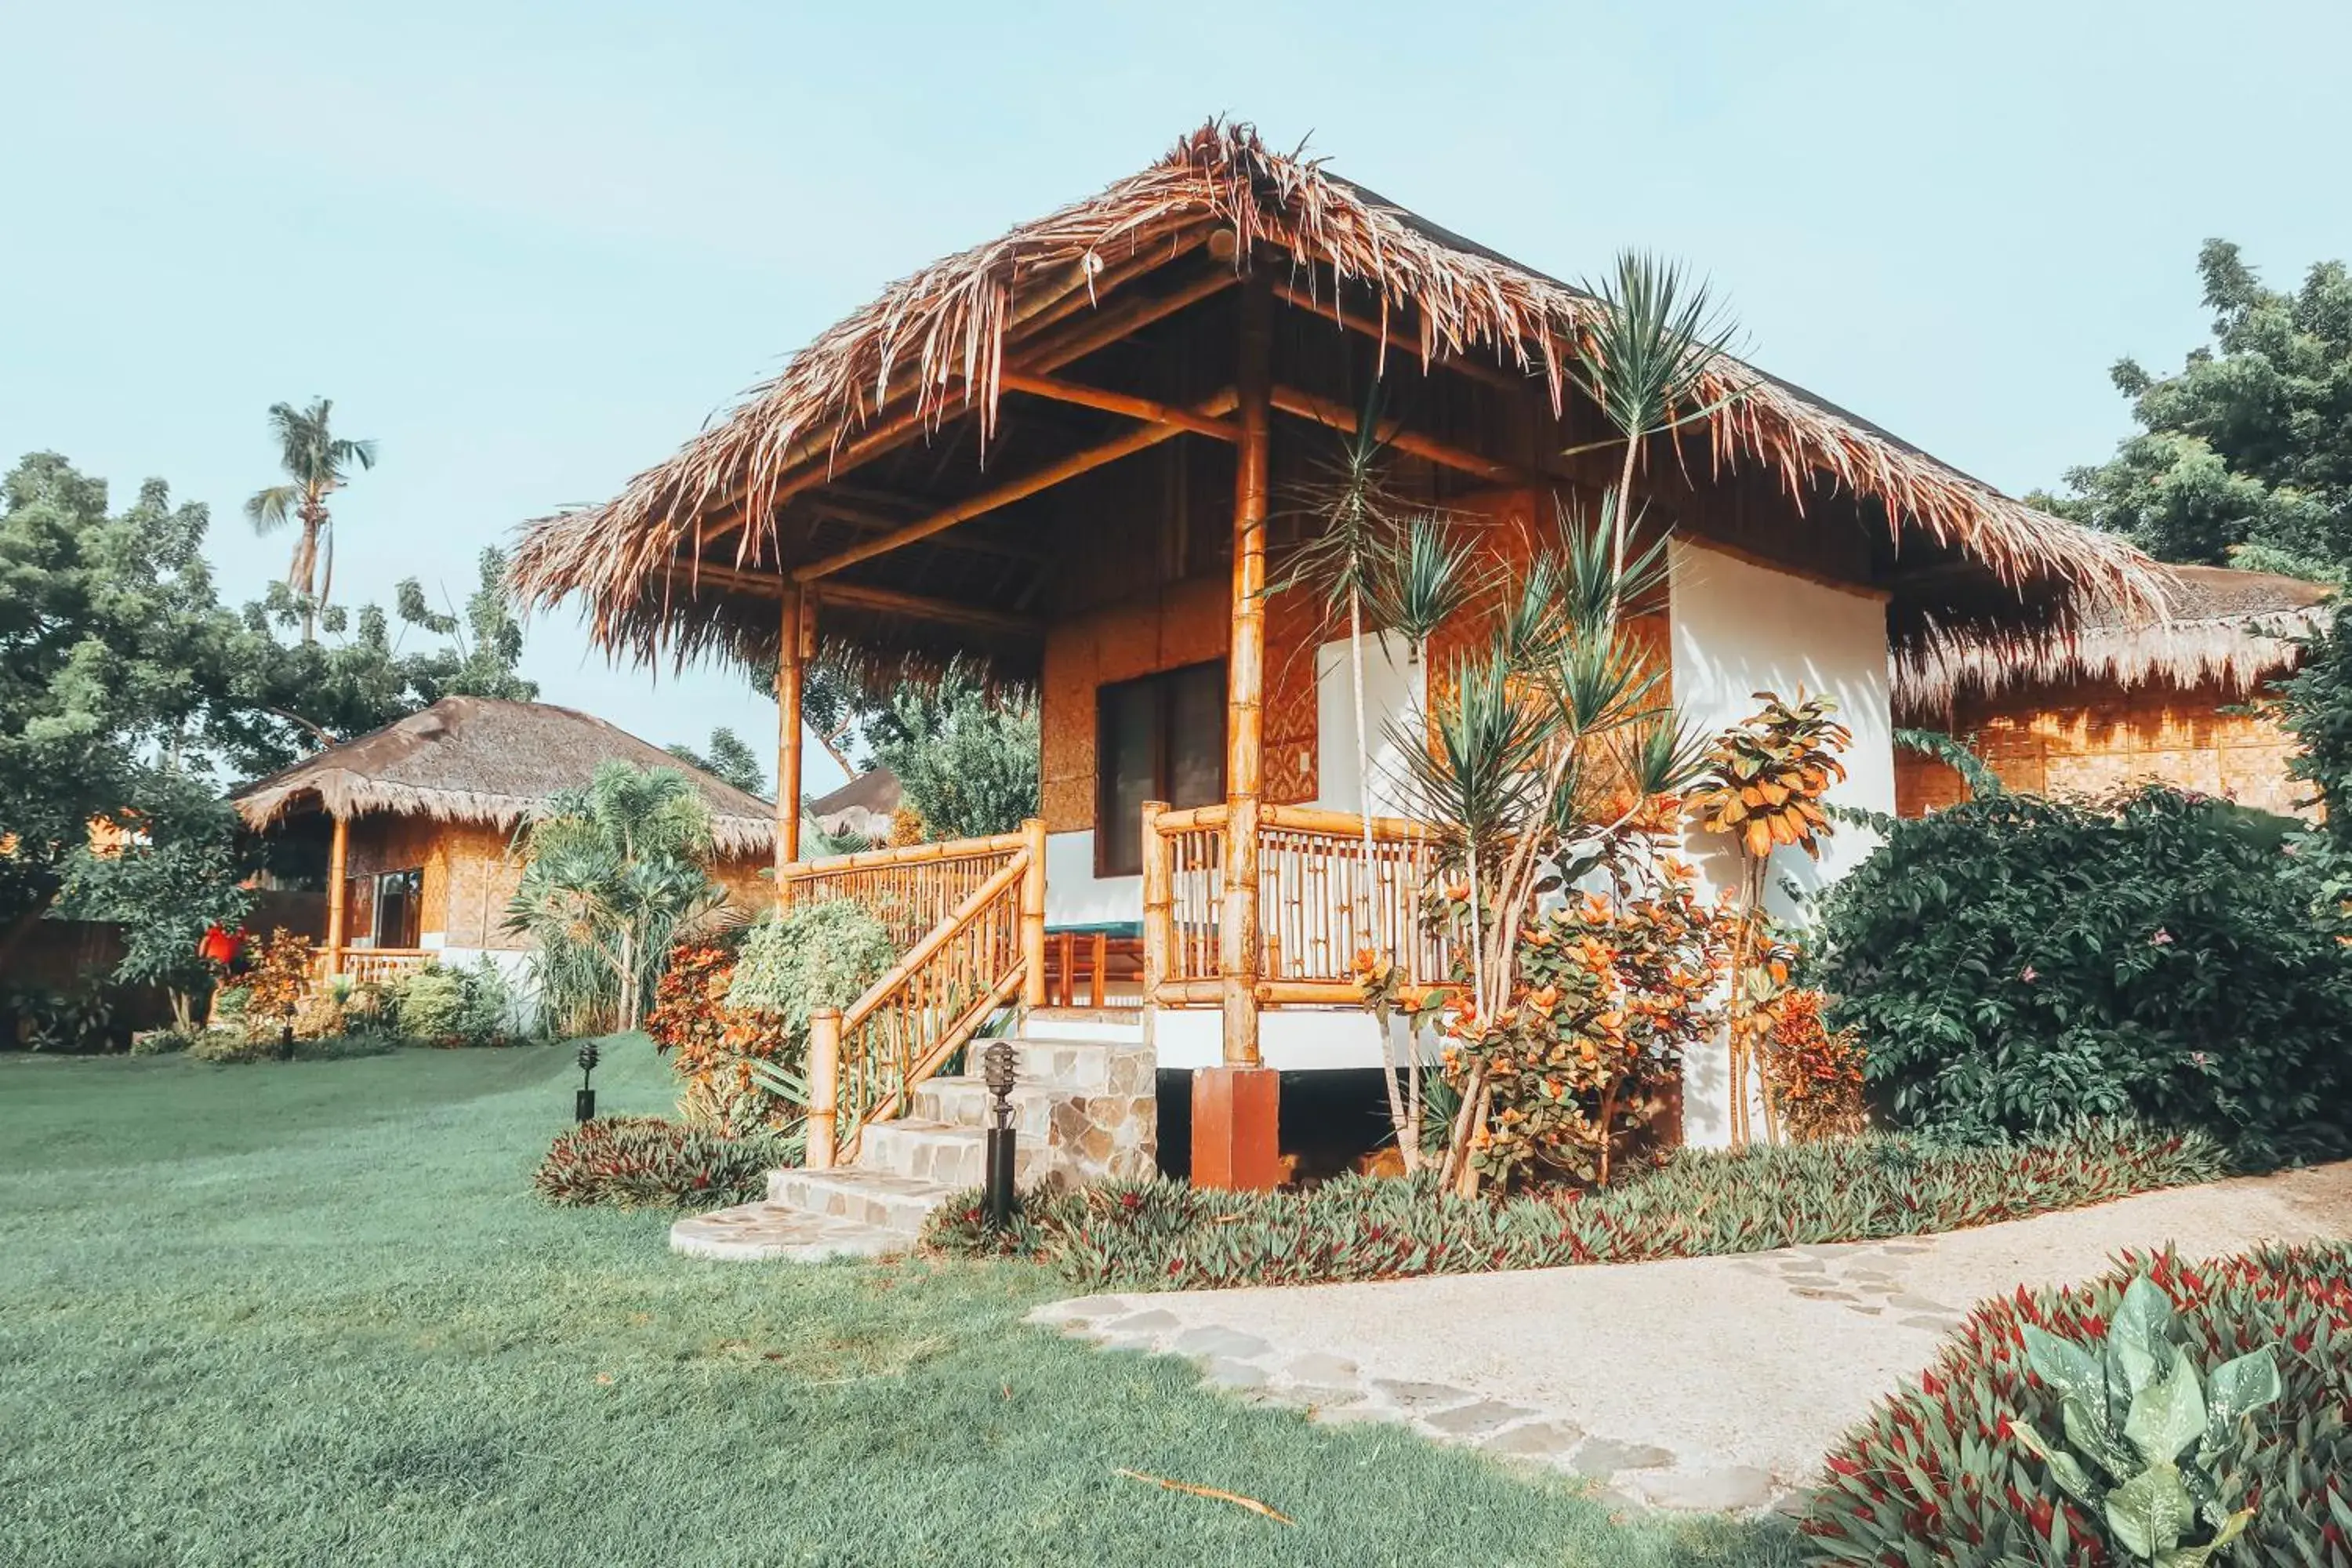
{"points": [[1239, 941], [1159, 896], [789, 662], [823, 1085], [1033, 914], [338, 913]]}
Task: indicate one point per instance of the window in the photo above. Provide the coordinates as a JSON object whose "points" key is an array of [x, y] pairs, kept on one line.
{"points": [[399, 899], [1160, 738]]}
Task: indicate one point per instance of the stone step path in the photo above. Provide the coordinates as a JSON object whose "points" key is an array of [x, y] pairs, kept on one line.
{"points": [[1085, 1107], [1700, 1382]]}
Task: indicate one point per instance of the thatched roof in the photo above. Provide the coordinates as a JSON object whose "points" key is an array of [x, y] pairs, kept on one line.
{"points": [[935, 346], [2222, 629], [476, 760], [863, 807]]}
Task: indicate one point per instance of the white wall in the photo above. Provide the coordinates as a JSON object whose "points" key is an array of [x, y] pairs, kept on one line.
{"points": [[1394, 683], [1737, 629], [1074, 896], [1294, 1039]]}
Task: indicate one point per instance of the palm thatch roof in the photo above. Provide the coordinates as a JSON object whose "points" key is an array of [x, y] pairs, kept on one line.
{"points": [[935, 346], [479, 759], [2218, 628], [863, 807]]}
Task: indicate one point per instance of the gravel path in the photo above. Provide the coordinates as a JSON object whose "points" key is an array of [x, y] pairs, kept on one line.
{"points": [[1704, 1382]]}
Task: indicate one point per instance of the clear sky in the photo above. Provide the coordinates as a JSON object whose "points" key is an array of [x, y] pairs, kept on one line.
{"points": [[529, 249]]}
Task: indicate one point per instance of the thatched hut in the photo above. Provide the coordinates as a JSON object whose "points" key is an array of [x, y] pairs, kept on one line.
{"points": [[2131, 696], [417, 820], [1064, 456]]}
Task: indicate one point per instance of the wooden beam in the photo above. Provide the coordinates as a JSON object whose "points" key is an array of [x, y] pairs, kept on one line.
{"points": [[338, 863], [1149, 410], [1340, 416], [820, 463], [792, 637], [1005, 494], [1497, 375], [860, 595]]}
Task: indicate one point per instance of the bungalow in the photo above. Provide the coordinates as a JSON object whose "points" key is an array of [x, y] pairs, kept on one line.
{"points": [[408, 828], [1065, 456], [2129, 697]]}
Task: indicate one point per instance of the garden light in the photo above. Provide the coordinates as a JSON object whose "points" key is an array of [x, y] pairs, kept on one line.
{"points": [[996, 1072], [583, 1099]]}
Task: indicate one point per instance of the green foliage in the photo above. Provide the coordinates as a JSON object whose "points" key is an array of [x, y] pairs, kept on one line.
{"points": [[2248, 444], [2254, 1456], [615, 873], [1167, 1236], [644, 1162], [1956, 754], [2314, 706], [468, 1005], [966, 758], [174, 876], [2134, 1406], [728, 760], [2015, 963], [42, 1018], [823, 954]]}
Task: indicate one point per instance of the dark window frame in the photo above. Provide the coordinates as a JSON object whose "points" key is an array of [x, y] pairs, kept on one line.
{"points": [[411, 903], [1163, 685]]}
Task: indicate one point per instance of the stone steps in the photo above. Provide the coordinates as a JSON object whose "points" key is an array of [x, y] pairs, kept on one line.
{"points": [[1084, 1107]]}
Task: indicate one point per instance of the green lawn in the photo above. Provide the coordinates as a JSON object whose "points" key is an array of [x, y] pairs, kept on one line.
{"points": [[311, 1312]]}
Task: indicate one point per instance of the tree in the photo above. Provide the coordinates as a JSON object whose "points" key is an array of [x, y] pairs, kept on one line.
{"points": [[111, 645], [966, 758], [728, 760], [2246, 453], [614, 873], [319, 463], [175, 874]]}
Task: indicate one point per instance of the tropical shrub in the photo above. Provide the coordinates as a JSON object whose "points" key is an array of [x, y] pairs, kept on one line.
{"points": [[1814, 1074], [1163, 1235], [965, 756], [1984, 1464], [712, 1046], [615, 874], [445, 1006], [2015, 963], [644, 1162], [42, 1018], [1611, 992], [272, 990], [821, 954]]}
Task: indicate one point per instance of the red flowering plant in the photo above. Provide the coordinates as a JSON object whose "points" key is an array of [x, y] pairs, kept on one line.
{"points": [[712, 1045], [1814, 1074]]}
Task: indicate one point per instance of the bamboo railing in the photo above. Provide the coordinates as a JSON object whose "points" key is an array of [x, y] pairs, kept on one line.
{"points": [[372, 965], [1320, 900], [909, 890], [986, 951]]}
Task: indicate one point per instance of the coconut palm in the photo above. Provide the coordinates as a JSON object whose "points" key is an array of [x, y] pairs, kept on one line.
{"points": [[615, 874], [318, 463]]}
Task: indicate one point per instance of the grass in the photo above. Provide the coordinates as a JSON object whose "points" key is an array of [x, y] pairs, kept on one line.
{"points": [[309, 1312]]}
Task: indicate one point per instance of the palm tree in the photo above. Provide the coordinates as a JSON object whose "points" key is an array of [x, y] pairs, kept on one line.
{"points": [[614, 874], [318, 462]]}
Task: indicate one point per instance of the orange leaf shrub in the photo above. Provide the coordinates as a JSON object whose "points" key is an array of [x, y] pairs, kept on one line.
{"points": [[711, 1046]]}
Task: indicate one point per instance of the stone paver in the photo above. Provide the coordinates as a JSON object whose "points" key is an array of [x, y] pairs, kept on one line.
{"points": [[1710, 1383]]}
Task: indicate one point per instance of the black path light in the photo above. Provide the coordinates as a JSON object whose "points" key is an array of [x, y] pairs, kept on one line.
{"points": [[996, 1072], [583, 1099]]}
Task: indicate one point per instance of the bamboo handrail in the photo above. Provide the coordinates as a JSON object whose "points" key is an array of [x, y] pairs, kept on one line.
{"points": [[985, 952], [903, 855]]}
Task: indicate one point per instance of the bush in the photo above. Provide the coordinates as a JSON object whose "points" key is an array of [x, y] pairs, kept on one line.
{"points": [[2016, 963], [1167, 1236], [644, 1162], [440, 1006], [816, 955], [1935, 1476], [712, 1045]]}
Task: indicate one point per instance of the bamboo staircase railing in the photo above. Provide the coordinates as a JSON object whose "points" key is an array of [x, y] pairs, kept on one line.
{"points": [[985, 952]]}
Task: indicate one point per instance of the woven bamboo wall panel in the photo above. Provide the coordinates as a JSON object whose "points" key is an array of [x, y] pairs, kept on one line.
{"points": [[1186, 622], [2086, 739]]}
